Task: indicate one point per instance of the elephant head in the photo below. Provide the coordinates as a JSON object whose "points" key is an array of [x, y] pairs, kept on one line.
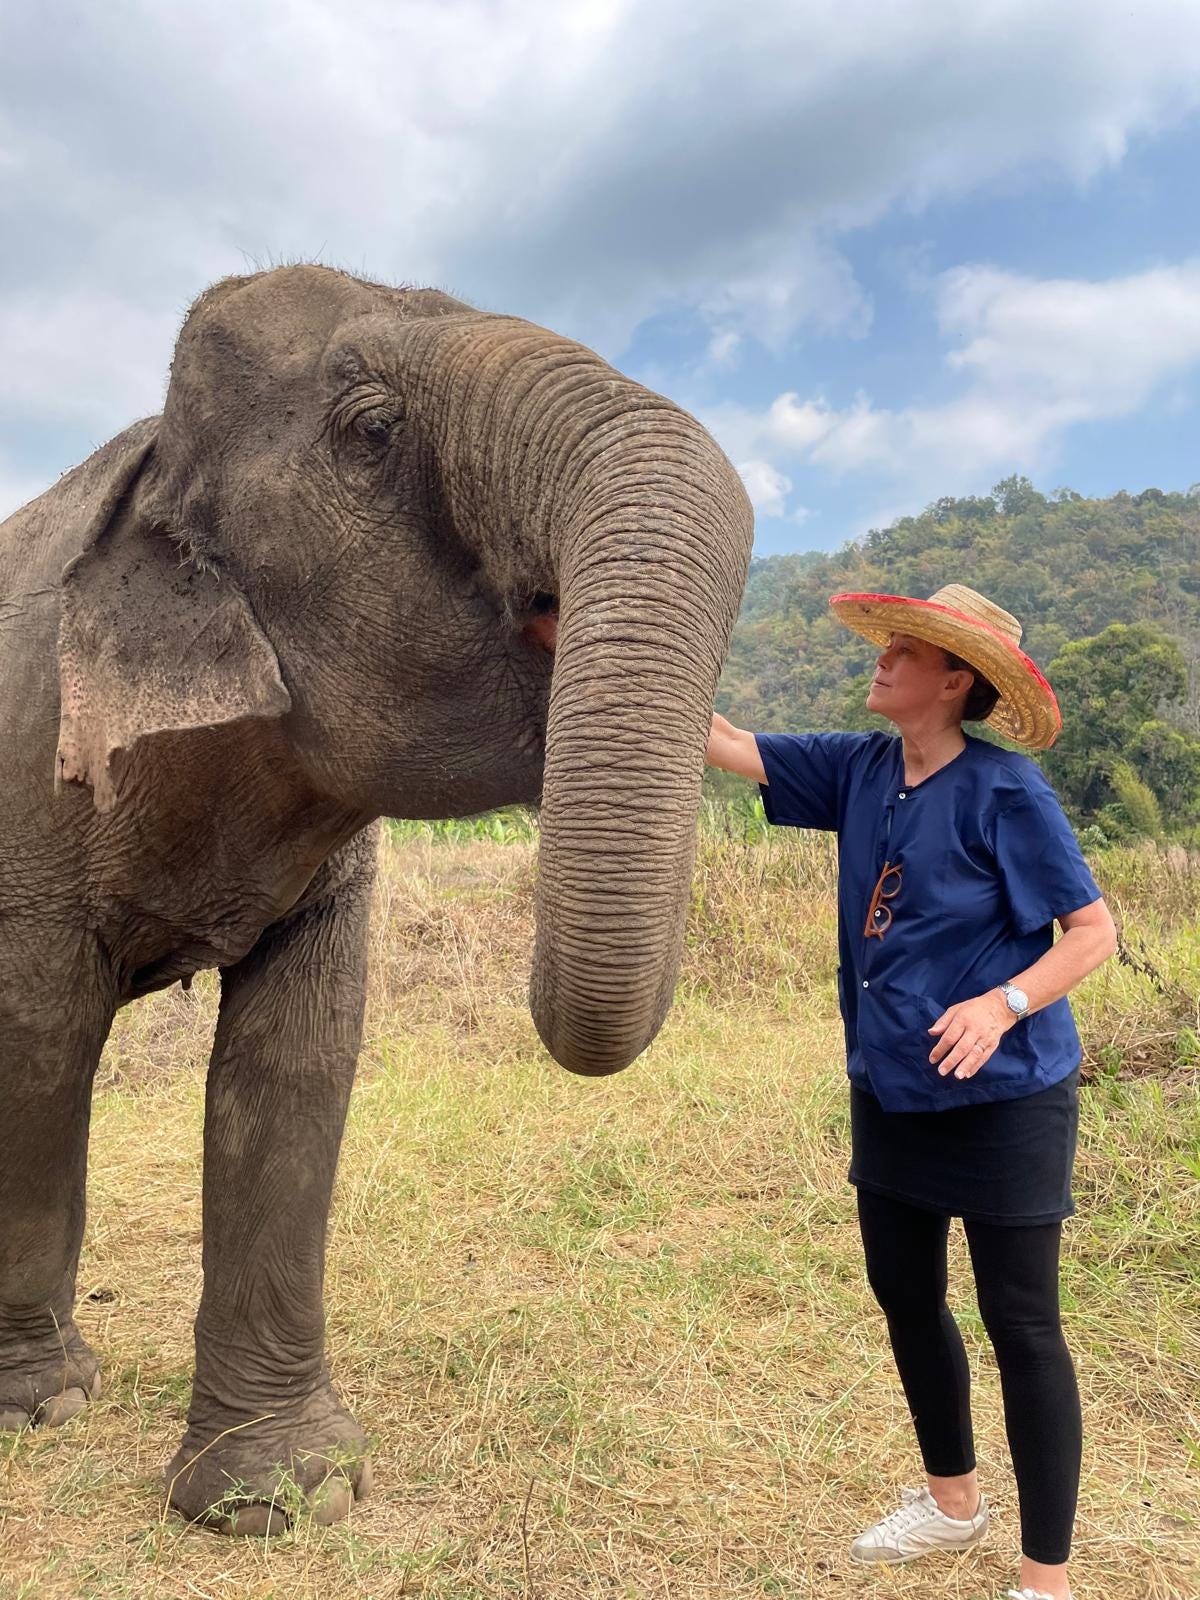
{"points": [[355, 508]]}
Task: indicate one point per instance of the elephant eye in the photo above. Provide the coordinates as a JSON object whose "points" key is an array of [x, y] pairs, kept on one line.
{"points": [[368, 412], [376, 426]]}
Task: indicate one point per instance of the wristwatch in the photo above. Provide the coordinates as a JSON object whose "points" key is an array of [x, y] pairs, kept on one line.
{"points": [[1016, 999]]}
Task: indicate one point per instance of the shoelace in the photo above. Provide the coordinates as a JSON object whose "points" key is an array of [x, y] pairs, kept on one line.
{"points": [[910, 1511]]}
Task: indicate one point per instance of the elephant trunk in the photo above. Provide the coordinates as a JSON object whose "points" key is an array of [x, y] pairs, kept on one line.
{"points": [[572, 479], [651, 566]]}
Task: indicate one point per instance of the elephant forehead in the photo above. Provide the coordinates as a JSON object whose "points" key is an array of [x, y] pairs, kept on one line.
{"points": [[252, 331]]}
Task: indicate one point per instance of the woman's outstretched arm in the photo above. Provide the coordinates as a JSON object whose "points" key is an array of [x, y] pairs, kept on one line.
{"points": [[734, 750]]}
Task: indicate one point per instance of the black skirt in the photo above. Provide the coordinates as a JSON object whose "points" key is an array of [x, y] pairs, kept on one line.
{"points": [[1006, 1161]]}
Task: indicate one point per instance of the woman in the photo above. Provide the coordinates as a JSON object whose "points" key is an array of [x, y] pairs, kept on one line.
{"points": [[955, 861]]}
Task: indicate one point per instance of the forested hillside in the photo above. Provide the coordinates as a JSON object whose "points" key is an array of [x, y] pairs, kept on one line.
{"points": [[1068, 567]]}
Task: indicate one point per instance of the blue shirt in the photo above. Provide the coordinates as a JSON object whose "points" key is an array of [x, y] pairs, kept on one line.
{"points": [[988, 861]]}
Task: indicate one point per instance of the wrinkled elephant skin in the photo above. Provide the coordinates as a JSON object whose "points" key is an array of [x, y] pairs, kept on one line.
{"points": [[382, 554]]}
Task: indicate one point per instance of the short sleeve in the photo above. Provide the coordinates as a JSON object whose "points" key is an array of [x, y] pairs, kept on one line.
{"points": [[806, 775], [1044, 873]]}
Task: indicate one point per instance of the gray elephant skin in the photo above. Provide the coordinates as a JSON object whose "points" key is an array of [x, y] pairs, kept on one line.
{"points": [[314, 593]]}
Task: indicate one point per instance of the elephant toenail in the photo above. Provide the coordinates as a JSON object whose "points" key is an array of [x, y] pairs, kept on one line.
{"points": [[60, 1408], [255, 1521], [332, 1501]]}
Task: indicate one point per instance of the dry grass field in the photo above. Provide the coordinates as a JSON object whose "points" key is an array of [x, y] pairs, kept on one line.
{"points": [[613, 1338]]}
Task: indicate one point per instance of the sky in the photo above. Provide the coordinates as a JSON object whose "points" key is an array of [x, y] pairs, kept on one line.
{"points": [[885, 251]]}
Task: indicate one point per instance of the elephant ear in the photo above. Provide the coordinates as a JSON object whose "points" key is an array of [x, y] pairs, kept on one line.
{"points": [[149, 642]]}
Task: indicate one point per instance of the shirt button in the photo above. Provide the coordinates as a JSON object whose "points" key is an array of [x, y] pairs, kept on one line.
{"points": [[866, 983], [903, 796]]}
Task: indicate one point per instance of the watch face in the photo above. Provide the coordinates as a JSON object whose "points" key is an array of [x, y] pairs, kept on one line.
{"points": [[1018, 1000]]}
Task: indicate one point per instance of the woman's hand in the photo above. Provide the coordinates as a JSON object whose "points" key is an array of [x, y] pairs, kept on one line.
{"points": [[970, 1032], [972, 1029]]}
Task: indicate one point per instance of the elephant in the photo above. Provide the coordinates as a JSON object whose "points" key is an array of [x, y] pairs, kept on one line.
{"points": [[381, 555]]}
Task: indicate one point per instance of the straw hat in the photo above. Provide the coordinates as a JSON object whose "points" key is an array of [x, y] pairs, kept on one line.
{"points": [[965, 623]]}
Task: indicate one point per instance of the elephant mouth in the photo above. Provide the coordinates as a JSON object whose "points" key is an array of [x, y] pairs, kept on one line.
{"points": [[539, 624]]}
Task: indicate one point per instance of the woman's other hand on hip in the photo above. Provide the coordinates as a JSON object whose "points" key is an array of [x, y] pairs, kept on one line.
{"points": [[969, 1032]]}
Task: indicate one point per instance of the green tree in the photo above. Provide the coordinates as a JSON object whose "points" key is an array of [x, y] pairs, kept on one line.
{"points": [[1016, 494], [1169, 761], [1111, 688], [1138, 802]]}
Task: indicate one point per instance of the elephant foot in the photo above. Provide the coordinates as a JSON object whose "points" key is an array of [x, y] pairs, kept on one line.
{"points": [[261, 1477], [47, 1380]]}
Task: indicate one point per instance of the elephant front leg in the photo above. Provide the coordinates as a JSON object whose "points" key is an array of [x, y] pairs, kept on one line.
{"points": [[49, 1047], [265, 1427]]}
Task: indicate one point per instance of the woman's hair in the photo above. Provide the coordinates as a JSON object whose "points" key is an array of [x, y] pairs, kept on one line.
{"points": [[981, 696]]}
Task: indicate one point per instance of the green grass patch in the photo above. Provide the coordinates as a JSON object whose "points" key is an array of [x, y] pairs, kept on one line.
{"points": [[613, 1337]]}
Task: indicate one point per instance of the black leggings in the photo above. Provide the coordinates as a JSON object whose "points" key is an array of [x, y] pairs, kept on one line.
{"points": [[1016, 1281]]}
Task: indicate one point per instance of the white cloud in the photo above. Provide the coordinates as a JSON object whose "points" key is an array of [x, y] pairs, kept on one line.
{"points": [[808, 282], [1034, 357], [1099, 349], [586, 164], [797, 424], [86, 357], [724, 347], [768, 489]]}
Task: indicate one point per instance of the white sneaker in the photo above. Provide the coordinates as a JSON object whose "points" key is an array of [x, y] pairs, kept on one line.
{"points": [[916, 1528], [1029, 1594]]}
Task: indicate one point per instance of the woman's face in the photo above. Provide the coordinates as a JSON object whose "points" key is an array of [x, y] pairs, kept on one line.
{"points": [[912, 679]]}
